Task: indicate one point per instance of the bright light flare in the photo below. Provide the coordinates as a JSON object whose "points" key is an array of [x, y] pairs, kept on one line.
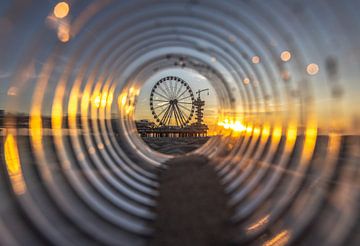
{"points": [[236, 126], [279, 239], [97, 101], [61, 10], [13, 165]]}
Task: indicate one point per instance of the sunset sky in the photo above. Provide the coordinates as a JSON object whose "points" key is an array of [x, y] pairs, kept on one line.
{"points": [[24, 57]]}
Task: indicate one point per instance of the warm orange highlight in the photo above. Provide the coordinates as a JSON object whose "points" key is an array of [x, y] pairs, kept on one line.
{"points": [[13, 165], [61, 10], [280, 239]]}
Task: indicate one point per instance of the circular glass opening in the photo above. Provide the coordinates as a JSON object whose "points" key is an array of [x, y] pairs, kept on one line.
{"points": [[176, 111]]}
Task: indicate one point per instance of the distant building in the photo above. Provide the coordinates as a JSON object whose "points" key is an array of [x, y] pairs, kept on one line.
{"points": [[143, 126]]}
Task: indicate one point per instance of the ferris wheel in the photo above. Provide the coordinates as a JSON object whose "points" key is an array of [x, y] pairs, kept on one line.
{"points": [[172, 102]]}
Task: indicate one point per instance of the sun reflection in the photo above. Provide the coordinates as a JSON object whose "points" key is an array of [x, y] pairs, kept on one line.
{"points": [[266, 130], [310, 140], [256, 131], [249, 129], [104, 98], [291, 133], [263, 221], [97, 101], [61, 10], [277, 132], [56, 116], [280, 239], [122, 99], [36, 130], [13, 165], [126, 100], [230, 124]]}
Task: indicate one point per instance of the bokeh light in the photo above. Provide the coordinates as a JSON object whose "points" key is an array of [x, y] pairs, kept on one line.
{"points": [[255, 59], [61, 10], [312, 69], [285, 56]]}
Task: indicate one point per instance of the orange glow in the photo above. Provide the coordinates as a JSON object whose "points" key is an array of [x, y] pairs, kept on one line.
{"points": [[246, 81], [236, 126], [280, 239], [310, 140], [249, 129], [110, 97], [13, 165], [104, 97], [97, 101], [263, 221], [123, 99], [36, 130], [255, 59], [312, 69], [61, 10], [63, 33], [56, 115], [285, 56], [266, 130], [291, 133], [277, 132], [256, 131]]}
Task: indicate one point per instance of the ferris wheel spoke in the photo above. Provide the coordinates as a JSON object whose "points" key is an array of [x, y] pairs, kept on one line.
{"points": [[185, 103], [160, 106], [181, 116], [170, 115], [184, 107], [165, 115], [160, 101], [172, 89], [177, 118], [185, 114], [180, 88], [163, 111], [167, 89], [161, 95], [180, 99], [175, 89], [182, 93], [165, 92]]}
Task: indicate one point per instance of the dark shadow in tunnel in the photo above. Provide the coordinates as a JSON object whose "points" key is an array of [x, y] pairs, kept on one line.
{"points": [[192, 206]]}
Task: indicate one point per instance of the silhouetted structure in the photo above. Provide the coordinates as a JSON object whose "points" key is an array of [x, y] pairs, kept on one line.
{"points": [[174, 107]]}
